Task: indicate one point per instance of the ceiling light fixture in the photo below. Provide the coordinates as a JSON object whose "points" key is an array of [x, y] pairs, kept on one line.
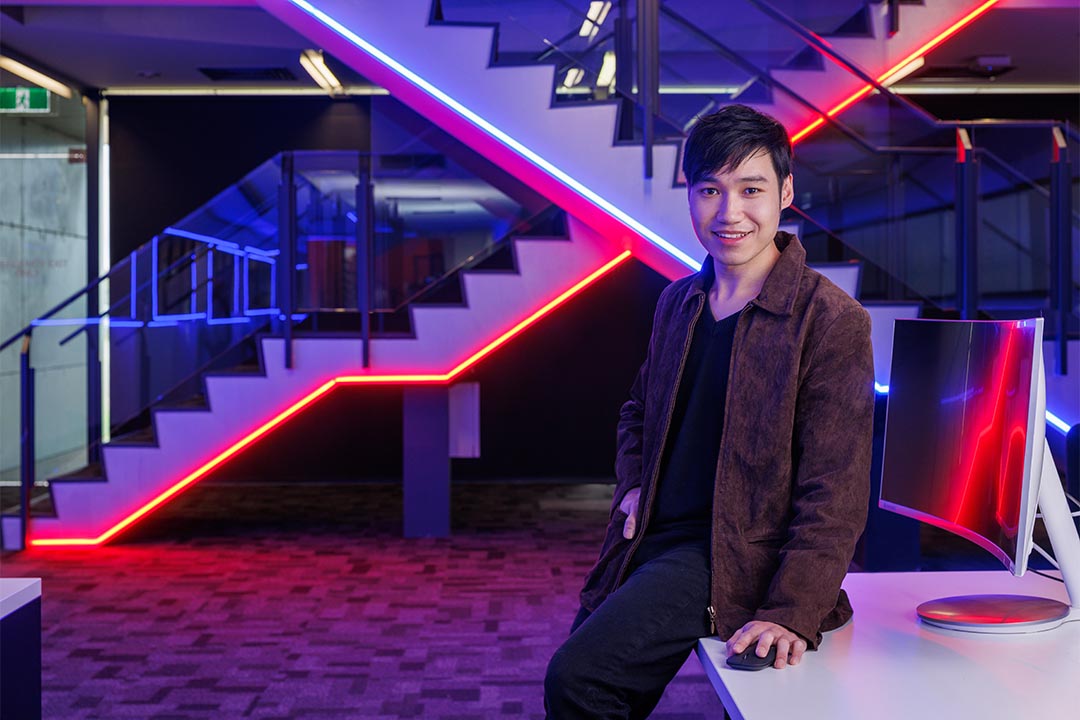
{"points": [[598, 12], [573, 77], [606, 78], [313, 62], [216, 90], [38, 78]]}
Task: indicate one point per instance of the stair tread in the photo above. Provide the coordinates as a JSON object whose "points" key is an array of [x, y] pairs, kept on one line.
{"points": [[93, 471], [195, 402], [142, 436]]}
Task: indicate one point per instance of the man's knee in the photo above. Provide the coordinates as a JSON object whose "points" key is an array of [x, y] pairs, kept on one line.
{"points": [[562, 676]]}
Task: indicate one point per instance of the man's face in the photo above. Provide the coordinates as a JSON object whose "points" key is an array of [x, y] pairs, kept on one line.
{"points": [[736, 212]]}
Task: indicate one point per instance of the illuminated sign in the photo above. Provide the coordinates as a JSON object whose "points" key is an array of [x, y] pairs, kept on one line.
{"points": [[20, 100]]}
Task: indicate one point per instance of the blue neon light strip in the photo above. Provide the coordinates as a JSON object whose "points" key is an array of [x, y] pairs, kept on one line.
{"points": [[133, 286], [228, 321], [236, 286], [209, 287], [208, 239], [259, 251], [1051, 419], [67, 322], [154, 279], [194, 305], [495, 132], [1057, 422]]}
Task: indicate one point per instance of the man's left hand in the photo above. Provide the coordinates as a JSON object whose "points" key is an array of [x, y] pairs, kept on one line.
{"points": [[789, 646]]}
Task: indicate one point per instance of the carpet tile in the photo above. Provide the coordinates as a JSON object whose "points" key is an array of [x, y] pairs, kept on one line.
{"points": [[289, 602]]}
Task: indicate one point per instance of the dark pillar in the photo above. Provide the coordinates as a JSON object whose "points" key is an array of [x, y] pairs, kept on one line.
{"points": [[648, 19], [1061, 247], [624, 71], [287, 245], [427, 460], [967, 214], [365, 241], [93, 244]]}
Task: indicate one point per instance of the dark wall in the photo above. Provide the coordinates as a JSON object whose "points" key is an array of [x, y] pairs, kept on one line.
{"points": [[1003, 107], [169, 155], [549, 400]]}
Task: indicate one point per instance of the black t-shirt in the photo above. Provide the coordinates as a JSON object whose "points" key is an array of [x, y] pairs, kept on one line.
{"points": [[682, 511]]}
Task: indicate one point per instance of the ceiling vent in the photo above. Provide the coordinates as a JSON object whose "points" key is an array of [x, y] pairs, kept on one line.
{"points": [[247, 74]]}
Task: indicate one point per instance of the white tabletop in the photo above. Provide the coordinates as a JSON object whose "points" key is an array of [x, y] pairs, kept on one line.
{"points": [[886, 664], [16, 592]]}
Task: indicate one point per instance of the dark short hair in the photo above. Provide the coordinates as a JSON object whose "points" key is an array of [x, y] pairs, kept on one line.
{"points": [[726, 138]]}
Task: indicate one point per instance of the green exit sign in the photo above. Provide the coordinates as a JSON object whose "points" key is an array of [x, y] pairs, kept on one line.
{"points": [[17, 100]]}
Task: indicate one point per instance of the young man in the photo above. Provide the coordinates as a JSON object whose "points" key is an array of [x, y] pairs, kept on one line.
{"points": [[743, 453]]}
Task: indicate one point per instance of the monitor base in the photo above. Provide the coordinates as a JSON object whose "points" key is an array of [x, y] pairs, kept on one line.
{"points": [[994, 613]]}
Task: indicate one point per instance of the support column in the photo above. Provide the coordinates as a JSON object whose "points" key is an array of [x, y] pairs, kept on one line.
{"points": [[365, 242], [624, 71], [1061, 280], [426, 420], [967, 217], [286, 219], [93, 269], [648, 20]]}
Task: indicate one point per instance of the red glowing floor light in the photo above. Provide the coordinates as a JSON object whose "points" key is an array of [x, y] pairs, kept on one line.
{"points": [[308, 400], [922, 51]]}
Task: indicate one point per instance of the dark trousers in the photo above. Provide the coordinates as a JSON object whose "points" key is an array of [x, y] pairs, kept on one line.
{"points": [[619, 659]]}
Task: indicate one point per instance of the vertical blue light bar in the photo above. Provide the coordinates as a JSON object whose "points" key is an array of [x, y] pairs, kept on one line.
{"points": [[134, 284], [153, 278], [236, 286], [273, 285], [209, 285], [193, 303], [245, 273]]}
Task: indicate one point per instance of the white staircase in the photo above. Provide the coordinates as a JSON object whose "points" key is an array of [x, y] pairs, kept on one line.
{"points": [[567, 153], [243, 407]]}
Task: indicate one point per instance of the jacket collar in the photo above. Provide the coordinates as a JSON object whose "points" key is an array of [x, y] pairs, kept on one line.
{"points": [[777, 295]]}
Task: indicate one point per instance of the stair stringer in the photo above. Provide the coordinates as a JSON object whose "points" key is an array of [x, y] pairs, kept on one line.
{"points": [[242, 406]]}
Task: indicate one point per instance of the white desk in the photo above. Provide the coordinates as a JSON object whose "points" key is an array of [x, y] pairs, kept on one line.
{"points": [[885, 664]]}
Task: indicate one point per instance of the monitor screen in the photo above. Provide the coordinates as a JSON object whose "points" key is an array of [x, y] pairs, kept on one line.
{"points": [[958, 430]]}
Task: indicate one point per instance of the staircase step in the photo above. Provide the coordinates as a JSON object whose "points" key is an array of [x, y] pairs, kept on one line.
{"points": [[141, 437], [94, 472]]}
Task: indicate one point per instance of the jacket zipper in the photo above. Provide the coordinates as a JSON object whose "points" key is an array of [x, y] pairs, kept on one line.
{"points": [[656, 469], [711, 609]]}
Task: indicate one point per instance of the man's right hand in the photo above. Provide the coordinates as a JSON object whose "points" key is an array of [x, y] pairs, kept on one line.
{"points": [[629, 505]]}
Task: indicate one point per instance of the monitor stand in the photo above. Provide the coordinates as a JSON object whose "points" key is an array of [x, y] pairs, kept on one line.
{"points": [[1019, 613], [994, 613]]}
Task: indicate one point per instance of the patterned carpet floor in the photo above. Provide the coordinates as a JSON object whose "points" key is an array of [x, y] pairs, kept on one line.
{"points": [[304, 601]]}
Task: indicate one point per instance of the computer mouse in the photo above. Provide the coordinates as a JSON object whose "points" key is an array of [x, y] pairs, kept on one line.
{"points": [[749, 660]]}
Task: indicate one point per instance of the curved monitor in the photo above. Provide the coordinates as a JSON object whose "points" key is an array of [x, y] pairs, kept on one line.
{"points": [[964, 435]]}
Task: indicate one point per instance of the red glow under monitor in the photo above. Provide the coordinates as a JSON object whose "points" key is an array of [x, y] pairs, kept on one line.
{"points": [[961, 429]]}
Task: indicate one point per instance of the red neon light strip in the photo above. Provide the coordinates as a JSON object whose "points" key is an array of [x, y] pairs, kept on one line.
{"points": [[923, 50], [309, 399]]}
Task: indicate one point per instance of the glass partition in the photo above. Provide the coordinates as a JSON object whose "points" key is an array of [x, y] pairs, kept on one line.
{"points": [[43, 241]]}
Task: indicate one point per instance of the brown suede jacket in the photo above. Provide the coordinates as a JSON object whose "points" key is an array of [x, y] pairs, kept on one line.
{"points": [[793, 475]]}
